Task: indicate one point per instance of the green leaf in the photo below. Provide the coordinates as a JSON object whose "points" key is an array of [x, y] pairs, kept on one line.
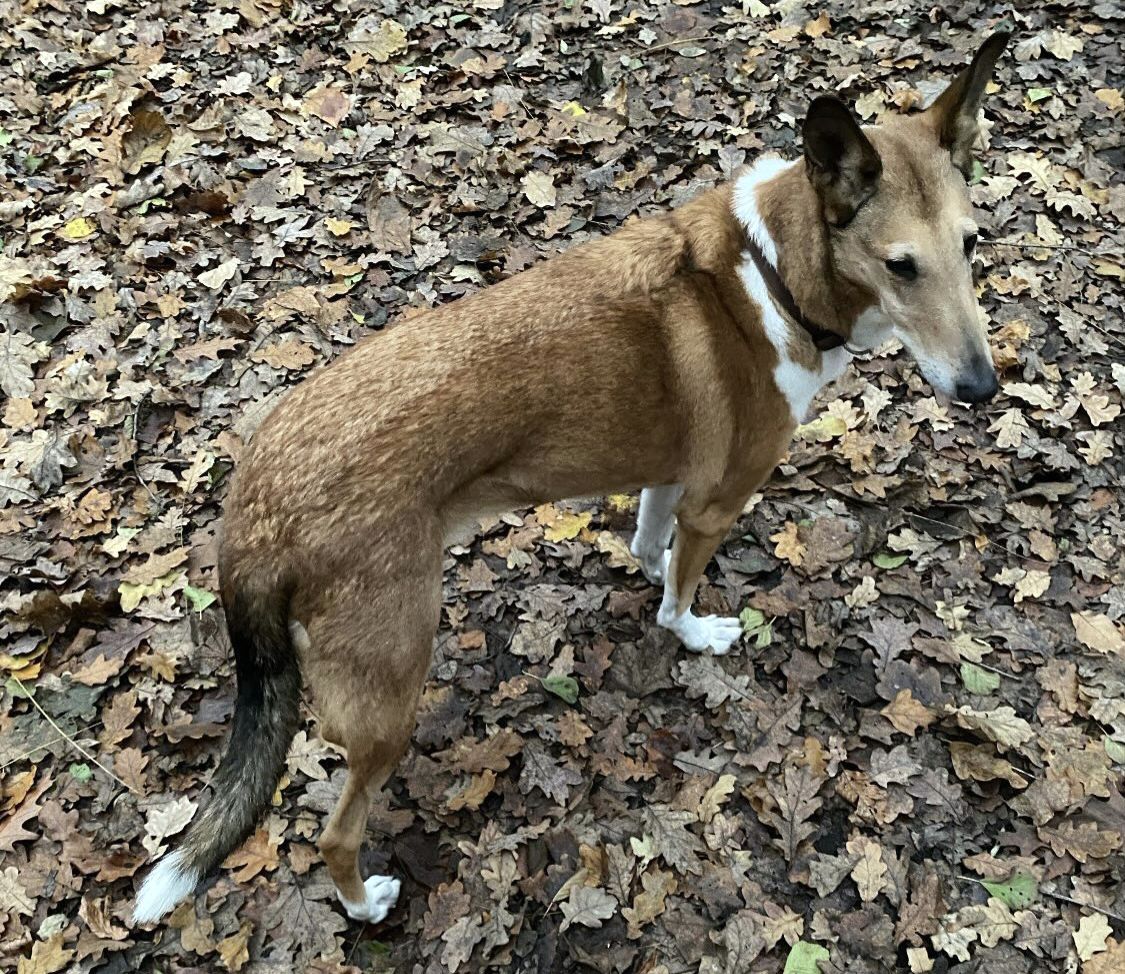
{"points": [[979, 172], [199, 598], [1017, 893], [1038, 94], [803, 958], [752, 620], [14, 689], [884, 559], [979, 681], [754, 623], [81, 772], [562, 686], [1115, 750]]}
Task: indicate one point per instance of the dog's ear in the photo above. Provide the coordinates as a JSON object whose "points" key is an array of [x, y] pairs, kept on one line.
{"points": [[954, 115], [841, 162]]}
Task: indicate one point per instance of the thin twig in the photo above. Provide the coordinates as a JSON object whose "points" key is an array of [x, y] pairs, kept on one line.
{"points": [[679, 43], [26, 755], [70, 740], [1089, 906], [1058, 896], [1043, 246]]}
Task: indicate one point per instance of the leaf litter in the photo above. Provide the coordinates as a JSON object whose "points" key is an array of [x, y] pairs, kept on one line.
{"points": [[913, 762]]}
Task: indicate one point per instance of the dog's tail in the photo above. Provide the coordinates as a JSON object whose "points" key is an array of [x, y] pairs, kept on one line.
{"points": [[265, 720]]}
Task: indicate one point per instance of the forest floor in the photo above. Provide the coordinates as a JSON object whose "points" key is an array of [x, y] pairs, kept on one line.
{"points": [[913, 761]]}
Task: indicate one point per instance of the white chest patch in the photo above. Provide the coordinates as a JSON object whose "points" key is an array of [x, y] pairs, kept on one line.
{"points": [[796, 382]]}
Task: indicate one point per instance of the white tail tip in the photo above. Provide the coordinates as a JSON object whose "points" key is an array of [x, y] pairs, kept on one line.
{"points": [[164, 888]]}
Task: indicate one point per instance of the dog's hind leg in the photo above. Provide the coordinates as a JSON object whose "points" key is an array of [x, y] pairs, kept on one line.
{"points": [[655, 521], [369, 659]]}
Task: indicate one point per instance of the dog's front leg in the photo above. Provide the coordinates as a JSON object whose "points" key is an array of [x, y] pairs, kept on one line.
{"points": [[698, 535], [655, 520]]}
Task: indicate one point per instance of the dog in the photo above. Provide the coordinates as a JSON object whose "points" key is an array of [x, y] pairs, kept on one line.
{"points": [[692, 344]]}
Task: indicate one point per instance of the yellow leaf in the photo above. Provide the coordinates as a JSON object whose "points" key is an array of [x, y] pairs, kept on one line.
{"points": [[789, 545], [562, 525], [822, 429], [574, 109], [621, 502], [233, 950], [712, 802], [617, 551], [77, 229], [338, 228], [474, 793], [1111, 98], [47, 957], [819, 27], [133, 593]]}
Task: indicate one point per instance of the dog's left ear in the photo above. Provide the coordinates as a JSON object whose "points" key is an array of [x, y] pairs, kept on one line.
{"points": [[954, 115], [840, 160]]}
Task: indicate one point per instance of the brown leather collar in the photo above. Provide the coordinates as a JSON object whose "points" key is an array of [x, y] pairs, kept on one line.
{"points": [[820, 336]]}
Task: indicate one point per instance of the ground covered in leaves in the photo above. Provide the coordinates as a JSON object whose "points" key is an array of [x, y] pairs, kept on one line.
{"points": [[915, 759]]}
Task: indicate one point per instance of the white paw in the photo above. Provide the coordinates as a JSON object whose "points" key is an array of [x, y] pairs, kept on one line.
{"points": [[382, 894], [709, 634], [654, 564]]}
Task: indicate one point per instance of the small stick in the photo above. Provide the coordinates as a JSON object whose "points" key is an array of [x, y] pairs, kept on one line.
{"points": [[681, 41], [1043, 246]]}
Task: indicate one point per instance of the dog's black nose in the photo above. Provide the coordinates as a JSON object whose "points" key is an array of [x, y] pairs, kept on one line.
{"points": [[980, 387]]}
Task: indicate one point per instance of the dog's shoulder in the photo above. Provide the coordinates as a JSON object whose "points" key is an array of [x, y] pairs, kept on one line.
{"points": [[647, 253]]}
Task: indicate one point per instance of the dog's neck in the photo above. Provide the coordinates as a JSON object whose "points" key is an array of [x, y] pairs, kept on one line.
{"points": [[779, 209]]}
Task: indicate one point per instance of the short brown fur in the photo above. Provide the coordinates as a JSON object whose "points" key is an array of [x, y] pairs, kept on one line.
{"points": [[632, 361]]}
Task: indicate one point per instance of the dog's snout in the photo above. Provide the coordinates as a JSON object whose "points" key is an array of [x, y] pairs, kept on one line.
{"points": [[979, 384]]}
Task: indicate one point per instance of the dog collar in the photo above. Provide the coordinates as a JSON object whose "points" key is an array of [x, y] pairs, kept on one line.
{"points": [[823, 338]]}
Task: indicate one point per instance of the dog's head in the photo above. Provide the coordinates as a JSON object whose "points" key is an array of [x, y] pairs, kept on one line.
{"points": [[895, 198]]}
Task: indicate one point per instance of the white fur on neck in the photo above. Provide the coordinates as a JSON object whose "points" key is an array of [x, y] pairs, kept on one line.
{"points": [[797, 383]]}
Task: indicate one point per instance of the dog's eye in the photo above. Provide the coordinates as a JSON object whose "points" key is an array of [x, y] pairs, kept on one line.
{"points": [[970, 244], [903, 267]]}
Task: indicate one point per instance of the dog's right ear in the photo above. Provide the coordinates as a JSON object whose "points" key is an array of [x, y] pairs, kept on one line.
{"points": [[841, 162]]}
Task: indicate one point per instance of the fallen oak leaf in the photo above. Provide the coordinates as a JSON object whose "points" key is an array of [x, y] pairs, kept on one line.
{"points": [[787, 545], [234, 950], [257, 854], [978, 763], [907, 714], [656, 885], [1000, 725], [1091, 936], [587, 905], [46, 957], [1096, 631], [12, 828], [869, 872], [1081, 841]]}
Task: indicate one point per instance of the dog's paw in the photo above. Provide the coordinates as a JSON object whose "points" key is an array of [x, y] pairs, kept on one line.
{"points": [[654, 564], [711, 634], [382, 894]]}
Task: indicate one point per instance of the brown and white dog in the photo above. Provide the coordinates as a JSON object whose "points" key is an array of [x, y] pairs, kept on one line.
{"points": [[692, 342]]}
